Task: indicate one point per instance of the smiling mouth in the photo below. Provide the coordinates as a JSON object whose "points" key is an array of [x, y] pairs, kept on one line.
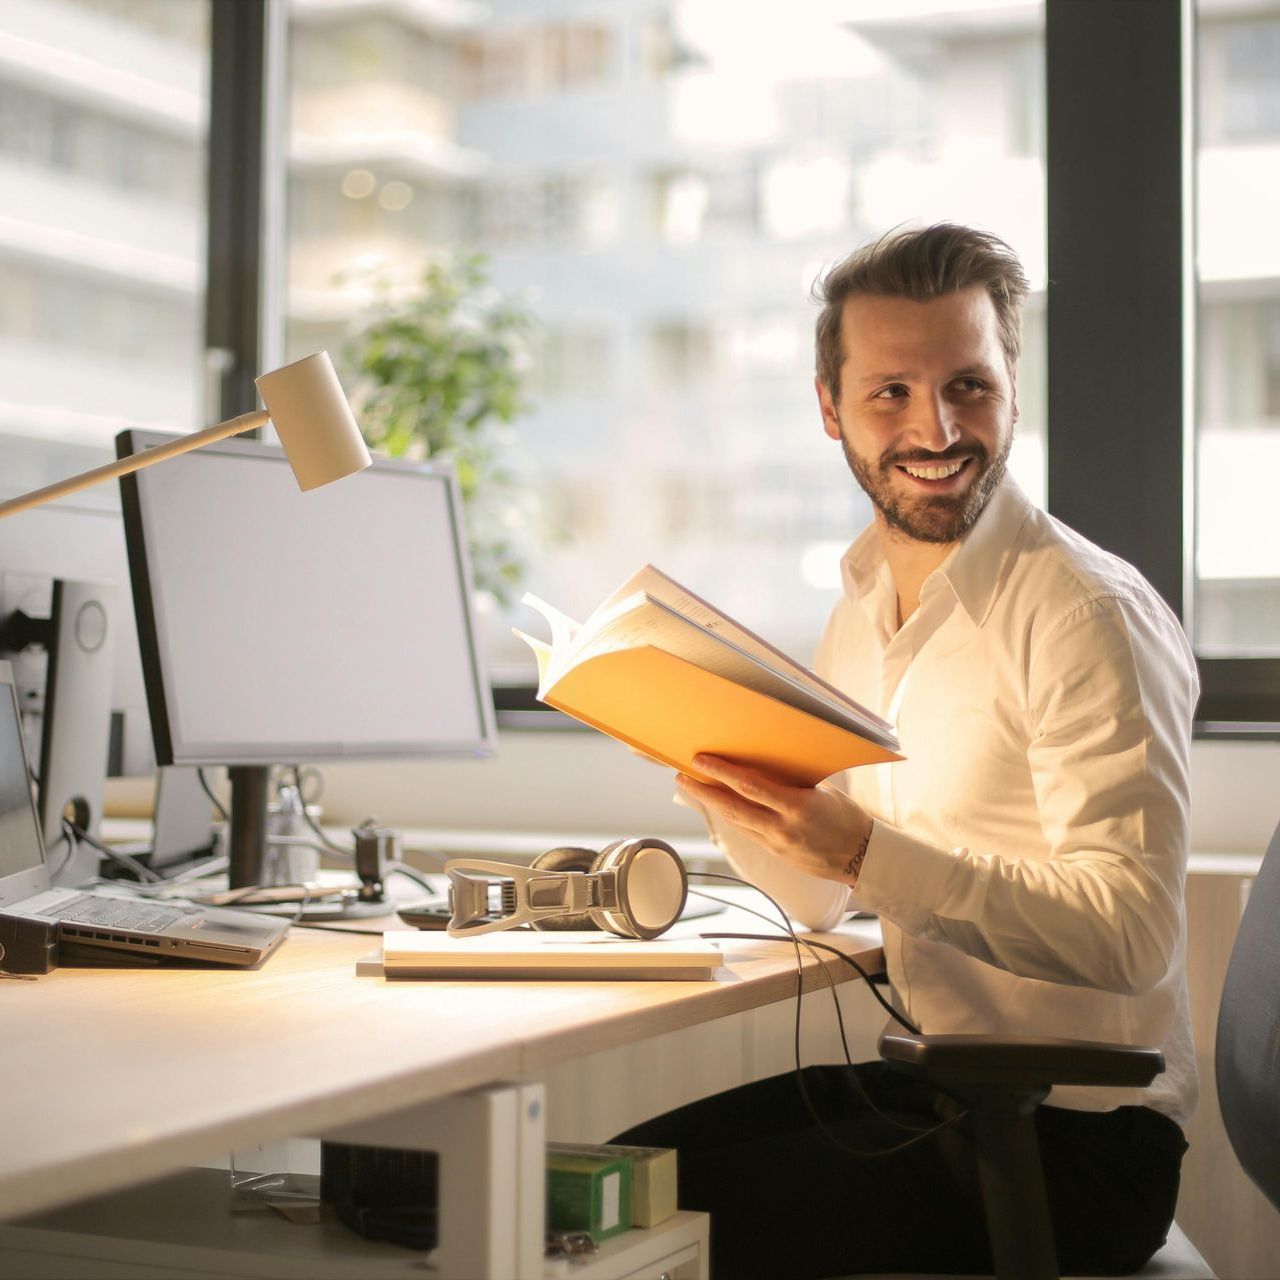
{"points": [[934, 473]]}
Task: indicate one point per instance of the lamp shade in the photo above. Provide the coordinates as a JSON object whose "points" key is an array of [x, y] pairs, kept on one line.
{"points": [[314, 421]]}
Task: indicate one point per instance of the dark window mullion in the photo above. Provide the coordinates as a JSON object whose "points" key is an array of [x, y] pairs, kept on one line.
{"points": [[1114, 300], [238, 32], [1116, 308]]}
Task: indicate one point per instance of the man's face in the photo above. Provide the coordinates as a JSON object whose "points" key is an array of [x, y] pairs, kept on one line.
{"points": [[926, 409]]}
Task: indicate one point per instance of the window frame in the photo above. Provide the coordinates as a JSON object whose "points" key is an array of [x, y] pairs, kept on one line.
{"points": [[1121, 426], [237, 251], [1120, 440]]}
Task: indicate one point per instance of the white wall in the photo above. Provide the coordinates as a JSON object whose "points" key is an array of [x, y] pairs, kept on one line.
{"points": [[563, 783], [558, 782]]}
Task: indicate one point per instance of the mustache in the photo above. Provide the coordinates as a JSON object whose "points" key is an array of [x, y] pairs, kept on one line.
{"points": [[926, 457]]}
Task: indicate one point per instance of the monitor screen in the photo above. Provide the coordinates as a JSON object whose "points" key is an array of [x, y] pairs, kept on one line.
{"points": [[278, 626]]}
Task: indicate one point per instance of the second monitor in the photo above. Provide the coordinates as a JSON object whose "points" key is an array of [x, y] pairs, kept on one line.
{"points": [[278, 627]]}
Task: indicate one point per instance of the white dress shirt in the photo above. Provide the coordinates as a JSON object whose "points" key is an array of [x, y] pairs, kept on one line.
{"points": [[1027, 857]]}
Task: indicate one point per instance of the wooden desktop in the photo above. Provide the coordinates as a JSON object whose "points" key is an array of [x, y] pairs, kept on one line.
{"points": [[113, 1077]]}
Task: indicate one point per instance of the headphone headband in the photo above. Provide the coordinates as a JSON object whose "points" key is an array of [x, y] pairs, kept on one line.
{"points": [[636, 888]]}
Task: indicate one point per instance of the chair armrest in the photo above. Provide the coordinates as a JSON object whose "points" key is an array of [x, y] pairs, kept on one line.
{"points": [[1020, 1061]]}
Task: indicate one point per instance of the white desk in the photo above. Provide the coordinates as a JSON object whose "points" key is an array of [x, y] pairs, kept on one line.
{"points": [[113, 1077]]}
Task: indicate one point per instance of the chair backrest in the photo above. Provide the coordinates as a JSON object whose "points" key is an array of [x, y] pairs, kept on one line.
{"points": [[1247, 1059]]}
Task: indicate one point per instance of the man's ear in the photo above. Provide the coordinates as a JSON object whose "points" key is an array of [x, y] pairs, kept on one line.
{"points": [[830, 418], [1013, 396]]}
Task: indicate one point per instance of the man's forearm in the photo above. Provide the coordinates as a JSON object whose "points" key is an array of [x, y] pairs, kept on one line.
{"points": [[816, 903], [853, 868]]}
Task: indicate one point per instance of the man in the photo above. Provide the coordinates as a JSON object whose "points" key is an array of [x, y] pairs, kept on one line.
{"points": [[1026, 859]]}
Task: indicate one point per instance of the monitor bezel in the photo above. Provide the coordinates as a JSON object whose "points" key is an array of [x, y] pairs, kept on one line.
{"points": [[168, 749], [17, 886]]}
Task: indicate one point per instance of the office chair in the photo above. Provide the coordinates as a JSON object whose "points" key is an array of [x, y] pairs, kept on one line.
{"points": [[1002, 1080]]}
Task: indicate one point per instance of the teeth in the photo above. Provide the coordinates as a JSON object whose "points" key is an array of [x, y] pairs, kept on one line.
{"points": [[933, 473]]}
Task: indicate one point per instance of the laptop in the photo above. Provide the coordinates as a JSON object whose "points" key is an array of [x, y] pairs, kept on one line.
{"points": [[105, 928]]}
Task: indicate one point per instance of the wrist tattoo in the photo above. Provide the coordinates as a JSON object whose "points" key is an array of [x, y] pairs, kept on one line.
{"points": [[854, 866]]}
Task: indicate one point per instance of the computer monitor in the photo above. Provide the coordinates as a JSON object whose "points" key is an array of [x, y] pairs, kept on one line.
{"points": [[67, 626], [182, 832], [281, 627]]}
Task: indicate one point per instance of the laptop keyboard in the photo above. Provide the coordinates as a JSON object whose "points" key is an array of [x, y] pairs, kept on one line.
{"points": [[117, 913]]}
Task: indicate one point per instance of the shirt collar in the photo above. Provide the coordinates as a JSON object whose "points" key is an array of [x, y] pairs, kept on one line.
{"points": [[973, 570]]}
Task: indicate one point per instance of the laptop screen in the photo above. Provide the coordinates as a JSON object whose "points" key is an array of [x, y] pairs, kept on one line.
{"points": [[19, 836]]}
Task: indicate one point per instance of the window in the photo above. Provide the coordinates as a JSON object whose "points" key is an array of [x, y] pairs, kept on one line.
{"points": [[662, 184], [1236, 602], [103, 111]]}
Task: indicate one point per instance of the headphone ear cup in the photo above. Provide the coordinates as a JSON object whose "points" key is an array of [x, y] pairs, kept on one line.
{"points": [[652, 887], [567, 858], [600, 918], [600, 861]]}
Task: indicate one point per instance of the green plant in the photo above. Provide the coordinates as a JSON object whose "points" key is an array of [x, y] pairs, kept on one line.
{"points": [[440, 373]]}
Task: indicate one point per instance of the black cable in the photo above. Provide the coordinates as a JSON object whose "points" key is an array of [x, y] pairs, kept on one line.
{"points": [[848, 959], [144, 874], [311, 822], [438, 854], [844, 1041], [831, 982], [874, 986], [337, 849], [69, 841], [411, 874], [311, 772], [54, 872], [919, 1134], [814, 947], [208, 790], [822, 946], [801, 1087]]}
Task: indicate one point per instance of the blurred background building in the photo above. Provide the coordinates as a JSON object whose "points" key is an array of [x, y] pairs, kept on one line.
{"points": [[662, 182]]}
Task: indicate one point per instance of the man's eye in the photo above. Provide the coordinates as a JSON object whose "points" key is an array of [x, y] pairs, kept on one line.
{"points": [[894, 392], [970, 384]]}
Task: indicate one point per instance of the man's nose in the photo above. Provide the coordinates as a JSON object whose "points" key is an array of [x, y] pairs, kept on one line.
{"points": [[935, 426]]}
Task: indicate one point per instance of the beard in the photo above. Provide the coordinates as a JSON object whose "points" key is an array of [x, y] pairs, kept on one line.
{"points": [[936, 518]]}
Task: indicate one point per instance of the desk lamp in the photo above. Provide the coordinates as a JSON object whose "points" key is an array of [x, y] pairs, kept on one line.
{"points": [[312, 418]]}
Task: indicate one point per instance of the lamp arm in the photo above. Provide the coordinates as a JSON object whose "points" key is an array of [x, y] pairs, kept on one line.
{"points": [[136, 461]]}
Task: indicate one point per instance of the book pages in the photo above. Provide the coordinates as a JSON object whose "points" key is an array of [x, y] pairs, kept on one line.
{"points": [[694, 607], [663, 671]]}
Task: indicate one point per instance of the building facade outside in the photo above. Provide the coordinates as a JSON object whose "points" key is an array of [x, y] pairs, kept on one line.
{"points": [[662, 182]]}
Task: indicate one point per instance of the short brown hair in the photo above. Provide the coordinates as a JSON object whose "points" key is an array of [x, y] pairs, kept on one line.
{"points": [[921, 264]]}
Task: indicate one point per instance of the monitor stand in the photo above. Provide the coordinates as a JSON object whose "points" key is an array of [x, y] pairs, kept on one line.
{"points": [[247, 830], [247, 845]]}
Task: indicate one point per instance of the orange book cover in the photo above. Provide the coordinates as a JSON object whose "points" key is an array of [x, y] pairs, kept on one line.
{"points": [[643, 672]]}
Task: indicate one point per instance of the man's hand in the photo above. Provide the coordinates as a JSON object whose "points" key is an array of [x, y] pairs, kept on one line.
{"points": [[818, 830]]}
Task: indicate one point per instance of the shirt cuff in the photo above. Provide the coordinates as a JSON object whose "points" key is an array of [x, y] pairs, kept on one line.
{"points": [[902, 878]]}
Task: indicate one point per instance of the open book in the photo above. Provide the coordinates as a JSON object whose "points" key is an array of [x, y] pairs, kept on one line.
{"points": [[660, 669]]}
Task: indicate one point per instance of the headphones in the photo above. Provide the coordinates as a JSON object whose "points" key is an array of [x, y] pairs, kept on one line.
{"points": [[635, 888]]}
